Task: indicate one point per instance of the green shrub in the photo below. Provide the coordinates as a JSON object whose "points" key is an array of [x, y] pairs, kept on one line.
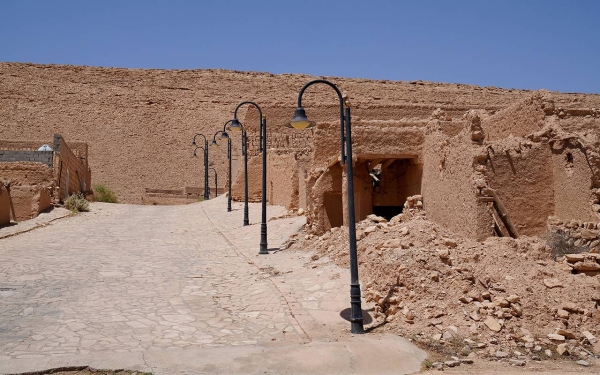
{"points": [[104, 194], [77, 203]]}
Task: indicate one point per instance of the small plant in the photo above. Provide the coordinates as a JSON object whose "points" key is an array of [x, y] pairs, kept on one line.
{"points": [[560, 244], [104, 194], [77, 203]]}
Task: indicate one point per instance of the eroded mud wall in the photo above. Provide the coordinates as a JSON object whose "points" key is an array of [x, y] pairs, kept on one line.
{"points": [[449, 183], [139, 123]]}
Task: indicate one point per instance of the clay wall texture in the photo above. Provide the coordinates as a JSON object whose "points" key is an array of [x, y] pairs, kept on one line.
{"points": [[543, 162], [448, 187], [71, 173], [523, 179], [139, 125], [142, 121]]}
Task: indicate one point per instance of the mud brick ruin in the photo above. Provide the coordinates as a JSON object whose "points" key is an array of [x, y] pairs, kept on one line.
{"points": [[32, 177], [487, 161]]}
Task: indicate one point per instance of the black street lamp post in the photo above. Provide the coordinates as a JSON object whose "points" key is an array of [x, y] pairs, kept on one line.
{"points": [[205, 173], [206, 195], [235, 125], [300, 121], [216, 182], [224, 135]]}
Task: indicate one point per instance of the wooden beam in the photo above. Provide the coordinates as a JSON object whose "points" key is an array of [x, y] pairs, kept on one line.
{"points": [[387, 163], [502, 213], [374, 163]]}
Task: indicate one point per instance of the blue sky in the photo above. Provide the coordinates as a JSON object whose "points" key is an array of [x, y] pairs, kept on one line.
{"points": [[525, 44]]}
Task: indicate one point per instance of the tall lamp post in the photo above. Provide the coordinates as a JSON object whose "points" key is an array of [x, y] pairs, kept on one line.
{"points": [[205, 169], [300, 121], [235, 125], [216, 182], [205, 162], [224, 135]]}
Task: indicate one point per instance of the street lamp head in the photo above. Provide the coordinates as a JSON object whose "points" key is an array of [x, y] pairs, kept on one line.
{"points": [[300, 121], [194, 142], [224, 135], [214, 142], [195, 153], [235, 125]]}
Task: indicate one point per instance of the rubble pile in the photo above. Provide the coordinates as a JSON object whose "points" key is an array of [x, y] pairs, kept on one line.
{"points": [[502, 299]]}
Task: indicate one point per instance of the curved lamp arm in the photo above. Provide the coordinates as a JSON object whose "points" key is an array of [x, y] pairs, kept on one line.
{"points": [[203, 149], [203, 136], [261, 130], [225, 135], [341, 98]]}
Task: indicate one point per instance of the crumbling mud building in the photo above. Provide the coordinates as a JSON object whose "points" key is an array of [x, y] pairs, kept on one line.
{"points": [[486, 161]]}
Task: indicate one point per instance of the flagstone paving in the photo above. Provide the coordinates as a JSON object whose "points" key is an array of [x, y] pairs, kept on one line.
{"points": [[124, 280]]}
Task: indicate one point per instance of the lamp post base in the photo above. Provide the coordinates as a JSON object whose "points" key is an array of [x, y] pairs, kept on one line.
{"points": [[356, 318]]}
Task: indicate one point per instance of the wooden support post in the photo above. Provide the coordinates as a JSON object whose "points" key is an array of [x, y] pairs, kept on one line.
{"points": [[502, 213]]}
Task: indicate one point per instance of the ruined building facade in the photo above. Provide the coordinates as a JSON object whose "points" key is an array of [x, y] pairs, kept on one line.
{"points": [[477, 155]]}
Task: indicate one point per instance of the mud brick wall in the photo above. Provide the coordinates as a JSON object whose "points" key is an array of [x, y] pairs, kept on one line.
{"points": [[44, 157], [70, 171], [449, 189], [4, 206]]}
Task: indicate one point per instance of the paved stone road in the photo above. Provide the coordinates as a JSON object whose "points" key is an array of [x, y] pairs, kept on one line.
{"points": [[147, 286]]}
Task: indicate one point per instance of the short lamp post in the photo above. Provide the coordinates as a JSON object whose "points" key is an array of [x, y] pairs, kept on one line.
{"points": [[224, 135], [216, 181], [300, 121], [205, 162], [235, 125]]}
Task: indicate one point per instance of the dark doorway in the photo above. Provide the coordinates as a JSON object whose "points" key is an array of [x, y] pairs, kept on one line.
{"points": [[333, 209], [387, 212]]}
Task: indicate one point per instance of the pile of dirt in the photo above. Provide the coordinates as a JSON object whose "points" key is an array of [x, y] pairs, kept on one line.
{"points": [[502, 299]]}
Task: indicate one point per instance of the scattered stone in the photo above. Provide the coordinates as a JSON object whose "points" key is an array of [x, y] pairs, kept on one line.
{"points": [[437, 337], [516, 362], [562, 349], [315, 257], [466, 361], [513, 298], [572, 308], [537, 348], [588, 234], [435, 276], [376, 219], [556, 337], [403, 231], [475, 316], [448, 335], [553, 283], [565, 333], [574, 258], [516, 309], [438, 365], [588, 335], [548, 353], [501, 301], [393, 243], [301, 211], [452, 363], [492, 324], [501, 354], [443, 254], [588, 265], [581, 362], [450, 242], [370, 229], [465, 299], [563, 314]]}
